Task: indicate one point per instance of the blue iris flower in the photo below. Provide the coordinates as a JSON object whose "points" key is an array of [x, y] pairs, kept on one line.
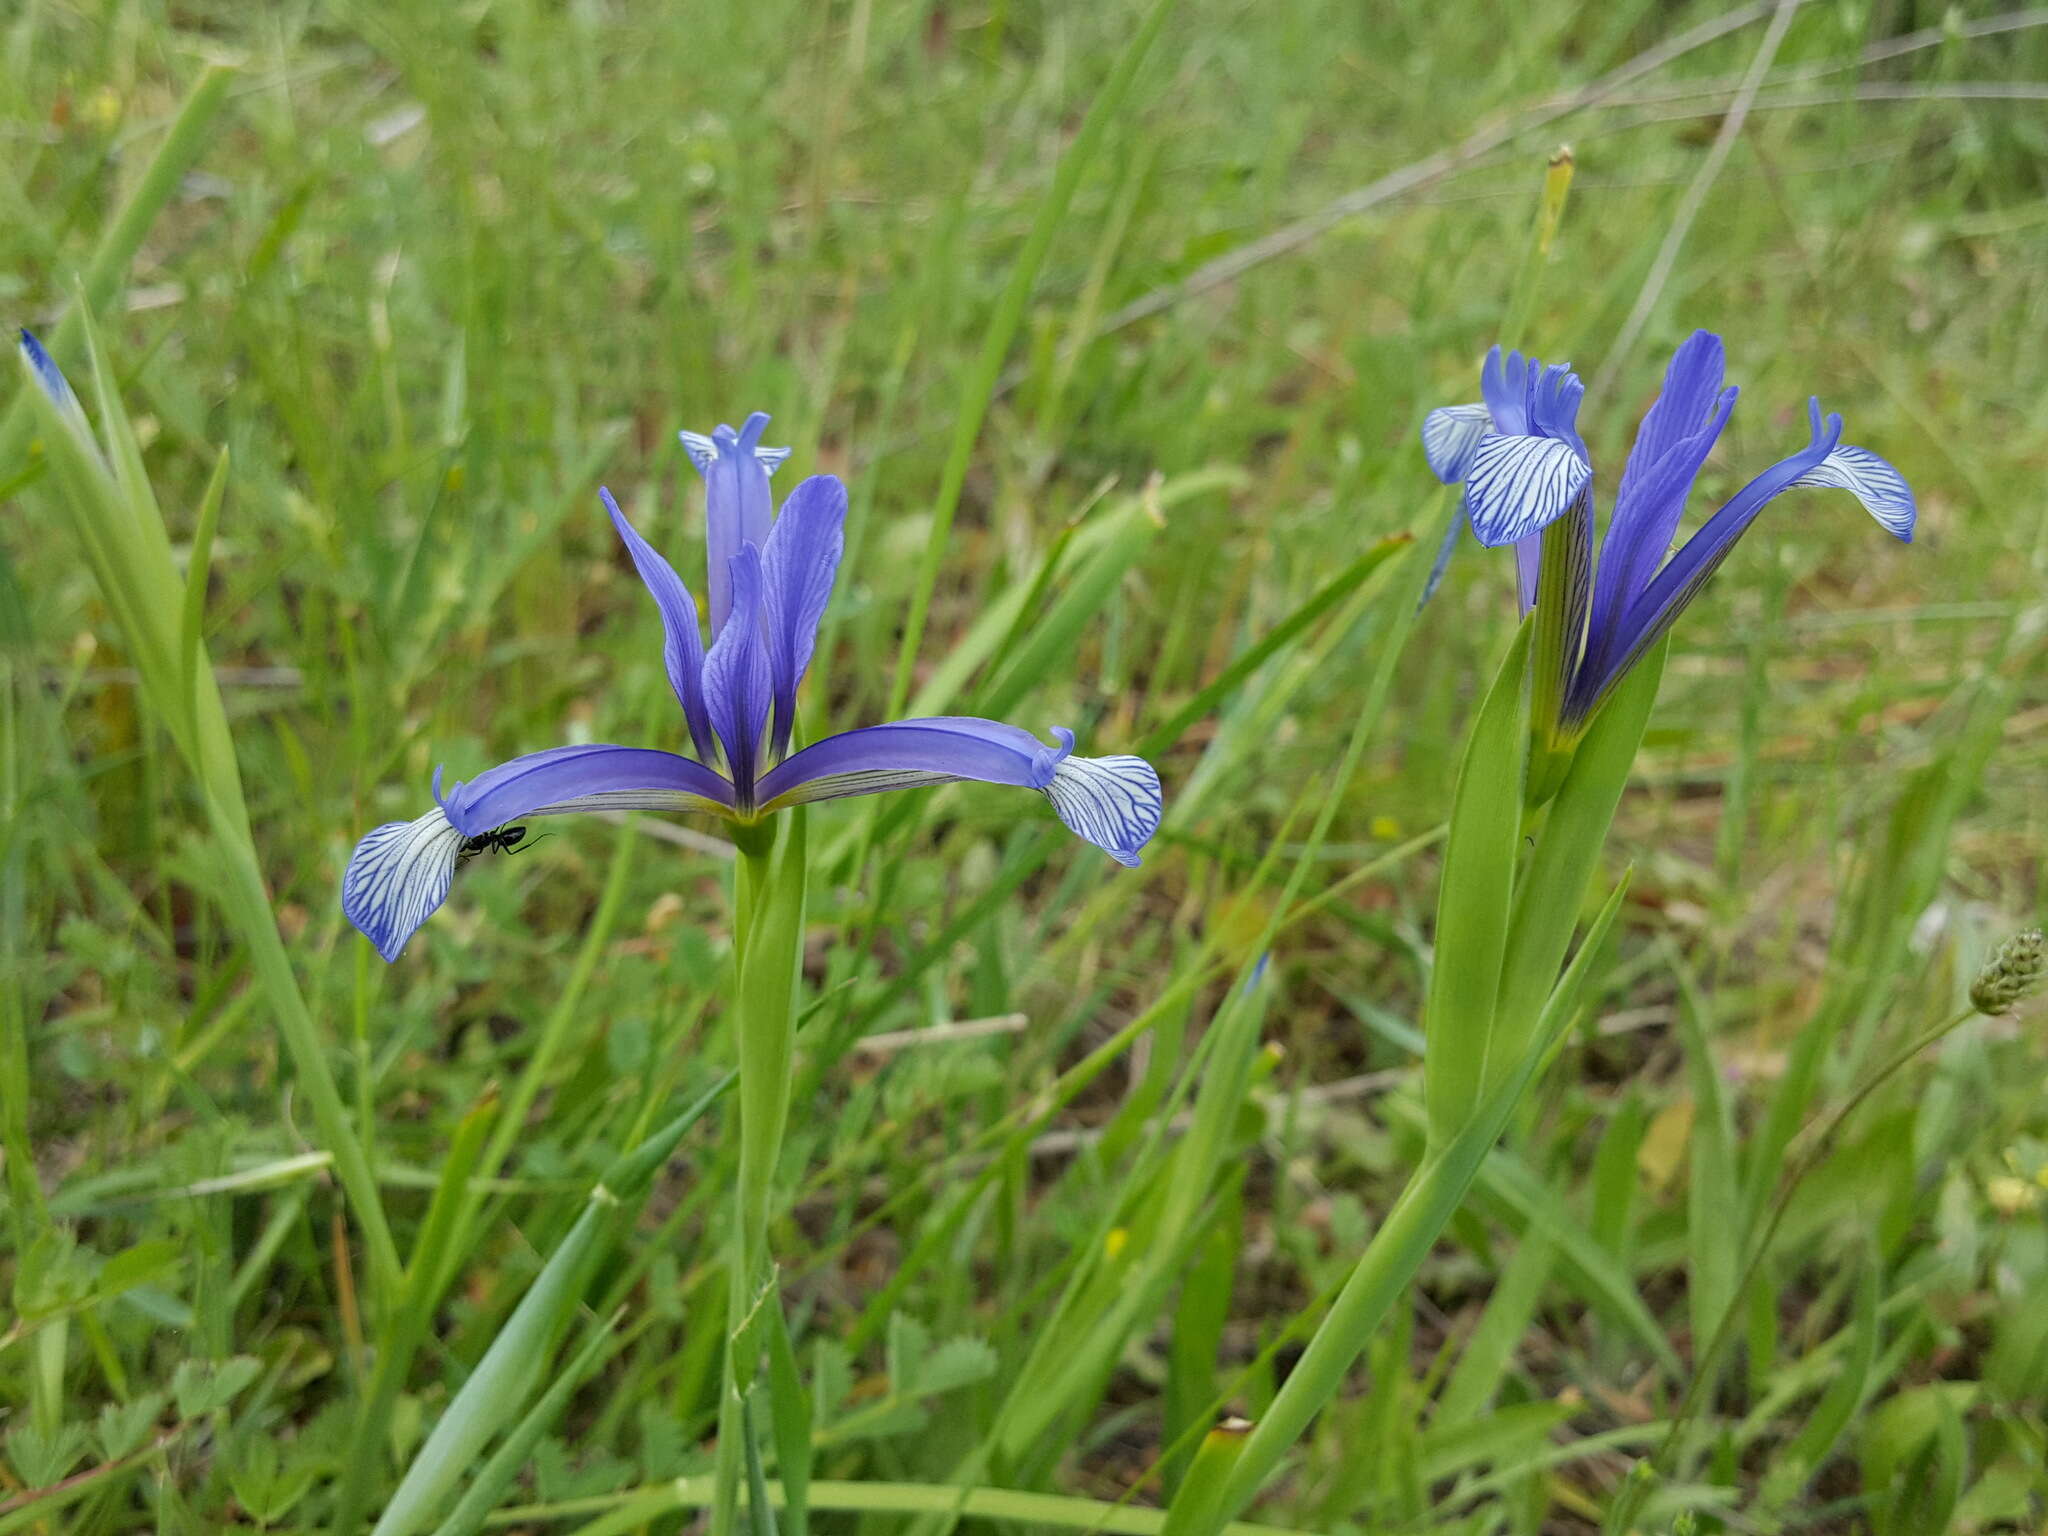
{"points": [[1529, 482], [770, 579]]}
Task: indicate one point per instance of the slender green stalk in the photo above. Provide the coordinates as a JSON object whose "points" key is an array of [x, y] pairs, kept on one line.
{"points": [[768, 924]]}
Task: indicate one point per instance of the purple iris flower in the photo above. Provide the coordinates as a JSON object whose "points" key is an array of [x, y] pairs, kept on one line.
{"points": [[771, 577], [1529, 482]]}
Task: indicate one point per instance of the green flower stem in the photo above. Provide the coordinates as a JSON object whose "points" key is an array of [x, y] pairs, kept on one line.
{"points": [[768, 926]]}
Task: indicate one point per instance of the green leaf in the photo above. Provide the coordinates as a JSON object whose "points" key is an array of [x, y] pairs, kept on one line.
{"points": [[202, 1386], [1490, 1352], [489, 1483], [122, 1427], [1551, 892], [143, 1264], [511, 1367], [1268, 645], [53, 1275], [1473, 905], [954, 1364], [1002, 330], [1845, 1394], [1200, 1503], [1712, 1194], [41, 1458]]}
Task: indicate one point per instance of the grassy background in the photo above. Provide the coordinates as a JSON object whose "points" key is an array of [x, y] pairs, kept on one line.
{"points": [[438, 273]]}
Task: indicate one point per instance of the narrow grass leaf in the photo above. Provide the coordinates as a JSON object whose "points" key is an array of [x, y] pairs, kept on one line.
{"points": [[1473, 902], [496, 1475], [498, 1387], [1404, 1240]]}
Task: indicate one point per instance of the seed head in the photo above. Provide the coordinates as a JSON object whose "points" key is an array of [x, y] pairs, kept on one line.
{"points": [[2014, 970]]}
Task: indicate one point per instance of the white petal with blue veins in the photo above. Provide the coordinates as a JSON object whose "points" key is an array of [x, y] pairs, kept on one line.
{"points": [[397, 876], [1517, 486], [1881, 488], [1450, 433], [1113, 802]]}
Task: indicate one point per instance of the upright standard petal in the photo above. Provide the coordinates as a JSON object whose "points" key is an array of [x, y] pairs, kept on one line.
{"points": [[1554, 395], [1518, 485], [1504, 381], [737, 503], [397, 877], [682, 645], [738, 680], [1673, 442], [1688, 571], [1691, 394], [798, 568], [1112, 802], [1450, 436]]}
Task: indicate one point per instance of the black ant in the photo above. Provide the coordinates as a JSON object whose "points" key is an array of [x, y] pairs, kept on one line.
{"points": [[502, 840]]}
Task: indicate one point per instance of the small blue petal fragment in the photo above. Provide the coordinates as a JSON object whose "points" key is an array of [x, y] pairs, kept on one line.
{"points": [[1881, 488], [1518, 485], [1444, 550], [772, 459], [396, 878], [58, 388], [1113, 802], [1450, 435]]}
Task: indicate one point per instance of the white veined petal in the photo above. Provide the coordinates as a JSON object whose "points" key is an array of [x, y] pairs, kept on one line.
{"points": [[702, 451], [1450, 434], [771, 459], [1881, 488], [1516, 486], [397, 876], [1113, 802]]}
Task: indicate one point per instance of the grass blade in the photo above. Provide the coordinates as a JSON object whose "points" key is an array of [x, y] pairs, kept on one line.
{"points": [[1473, 903]]}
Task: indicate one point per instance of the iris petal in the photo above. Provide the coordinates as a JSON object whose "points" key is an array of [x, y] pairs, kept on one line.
{"points": [[739, 684], [737, 504], [558, 780], [1881, 488], [1687, 572], [1450, 436], [1114, 802], [683, 644], [798, 568], [1517, 485], [398, 875]]}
